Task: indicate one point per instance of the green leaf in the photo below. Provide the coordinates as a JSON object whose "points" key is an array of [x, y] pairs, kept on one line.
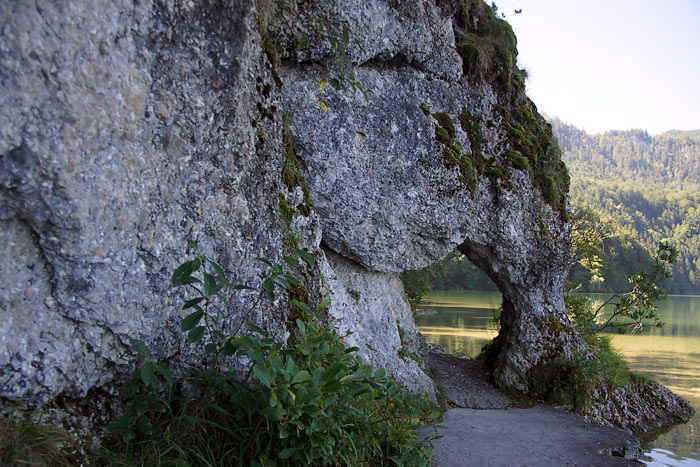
{"points": [[303, 307], [167, 374], [291, 261], [191, 303], [268, 286], [140, 348], [229, 349], [305, 256], [196, 334], [264, 375], [191, 320], [148, 374], [183, 274], [218, 270], [211, 284], [301, 377], [291, 279], [287, 453]]}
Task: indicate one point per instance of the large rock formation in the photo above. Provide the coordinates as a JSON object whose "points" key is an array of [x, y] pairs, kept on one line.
{"points": [[411, 157], [126, 131], [389, 131]]}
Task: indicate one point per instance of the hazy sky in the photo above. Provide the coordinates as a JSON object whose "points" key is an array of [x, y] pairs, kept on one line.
{"points": [[612, 64]]}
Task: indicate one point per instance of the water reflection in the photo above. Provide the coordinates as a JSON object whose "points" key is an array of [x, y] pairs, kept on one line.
{"points": [[463, 322]]}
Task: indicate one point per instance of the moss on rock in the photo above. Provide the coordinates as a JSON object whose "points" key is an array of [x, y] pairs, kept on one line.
{"points": [[291, 169], [489, 52]]}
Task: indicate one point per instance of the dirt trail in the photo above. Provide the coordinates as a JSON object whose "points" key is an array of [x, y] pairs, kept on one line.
{"points": [[484, 427]]}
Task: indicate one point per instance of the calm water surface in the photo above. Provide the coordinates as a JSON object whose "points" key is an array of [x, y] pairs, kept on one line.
{"points": [[463, 322]]}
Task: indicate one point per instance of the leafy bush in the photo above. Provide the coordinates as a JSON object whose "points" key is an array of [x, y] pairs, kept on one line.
{"points": [[584, 373], [578, 378], [310, 402], [626, 311]]}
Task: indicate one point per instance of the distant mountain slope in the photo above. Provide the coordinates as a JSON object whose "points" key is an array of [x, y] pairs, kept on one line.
{"points": [[632, 155], [649, 187]]}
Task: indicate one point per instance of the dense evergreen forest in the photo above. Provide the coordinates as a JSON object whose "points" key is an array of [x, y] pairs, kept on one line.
{"points": [[642, 188], [646, 189]]}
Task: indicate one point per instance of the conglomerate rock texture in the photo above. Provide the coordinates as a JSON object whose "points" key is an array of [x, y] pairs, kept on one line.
{"points": [[390, 132]]}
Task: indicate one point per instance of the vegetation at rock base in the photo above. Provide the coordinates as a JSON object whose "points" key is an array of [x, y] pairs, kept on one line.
{"points": [[578, 379], [310, 402], [23, 443]]}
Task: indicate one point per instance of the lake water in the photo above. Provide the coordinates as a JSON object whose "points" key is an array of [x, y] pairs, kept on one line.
{"points": [[463, 322]]}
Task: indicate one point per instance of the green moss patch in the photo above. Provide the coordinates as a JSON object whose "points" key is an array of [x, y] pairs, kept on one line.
{"points": [[489, 52], [517, 160], [471, 166], [486, 43], [471, 125], [291, 170]]}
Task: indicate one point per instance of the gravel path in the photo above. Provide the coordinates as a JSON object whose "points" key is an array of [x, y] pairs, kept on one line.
{"points": [[484, 429]]}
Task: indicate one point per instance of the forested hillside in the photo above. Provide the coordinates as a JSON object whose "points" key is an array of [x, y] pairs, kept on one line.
{"points": [[632, 156], [647, 189]]}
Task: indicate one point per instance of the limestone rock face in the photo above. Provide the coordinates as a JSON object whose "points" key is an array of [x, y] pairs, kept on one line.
{"points": [[372, 308], [407, 162], [126, 130], [639, 407], [380, 135]]}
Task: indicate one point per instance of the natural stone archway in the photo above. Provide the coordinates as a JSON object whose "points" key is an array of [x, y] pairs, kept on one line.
{"points": [[129, 128], [423, 163], [534, 329]]}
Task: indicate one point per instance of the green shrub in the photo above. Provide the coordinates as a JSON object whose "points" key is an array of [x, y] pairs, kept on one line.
{"points": [[583, 374], [310, 402]]}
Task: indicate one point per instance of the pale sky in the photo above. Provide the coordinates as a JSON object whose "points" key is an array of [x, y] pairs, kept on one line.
{"points": [[611, 64]]}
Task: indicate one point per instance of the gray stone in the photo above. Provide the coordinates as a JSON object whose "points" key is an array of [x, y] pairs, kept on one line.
{"points": [[382, 32], [371, 308], [640, 407], [387, 200], [127, 130], [465, 383]]}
